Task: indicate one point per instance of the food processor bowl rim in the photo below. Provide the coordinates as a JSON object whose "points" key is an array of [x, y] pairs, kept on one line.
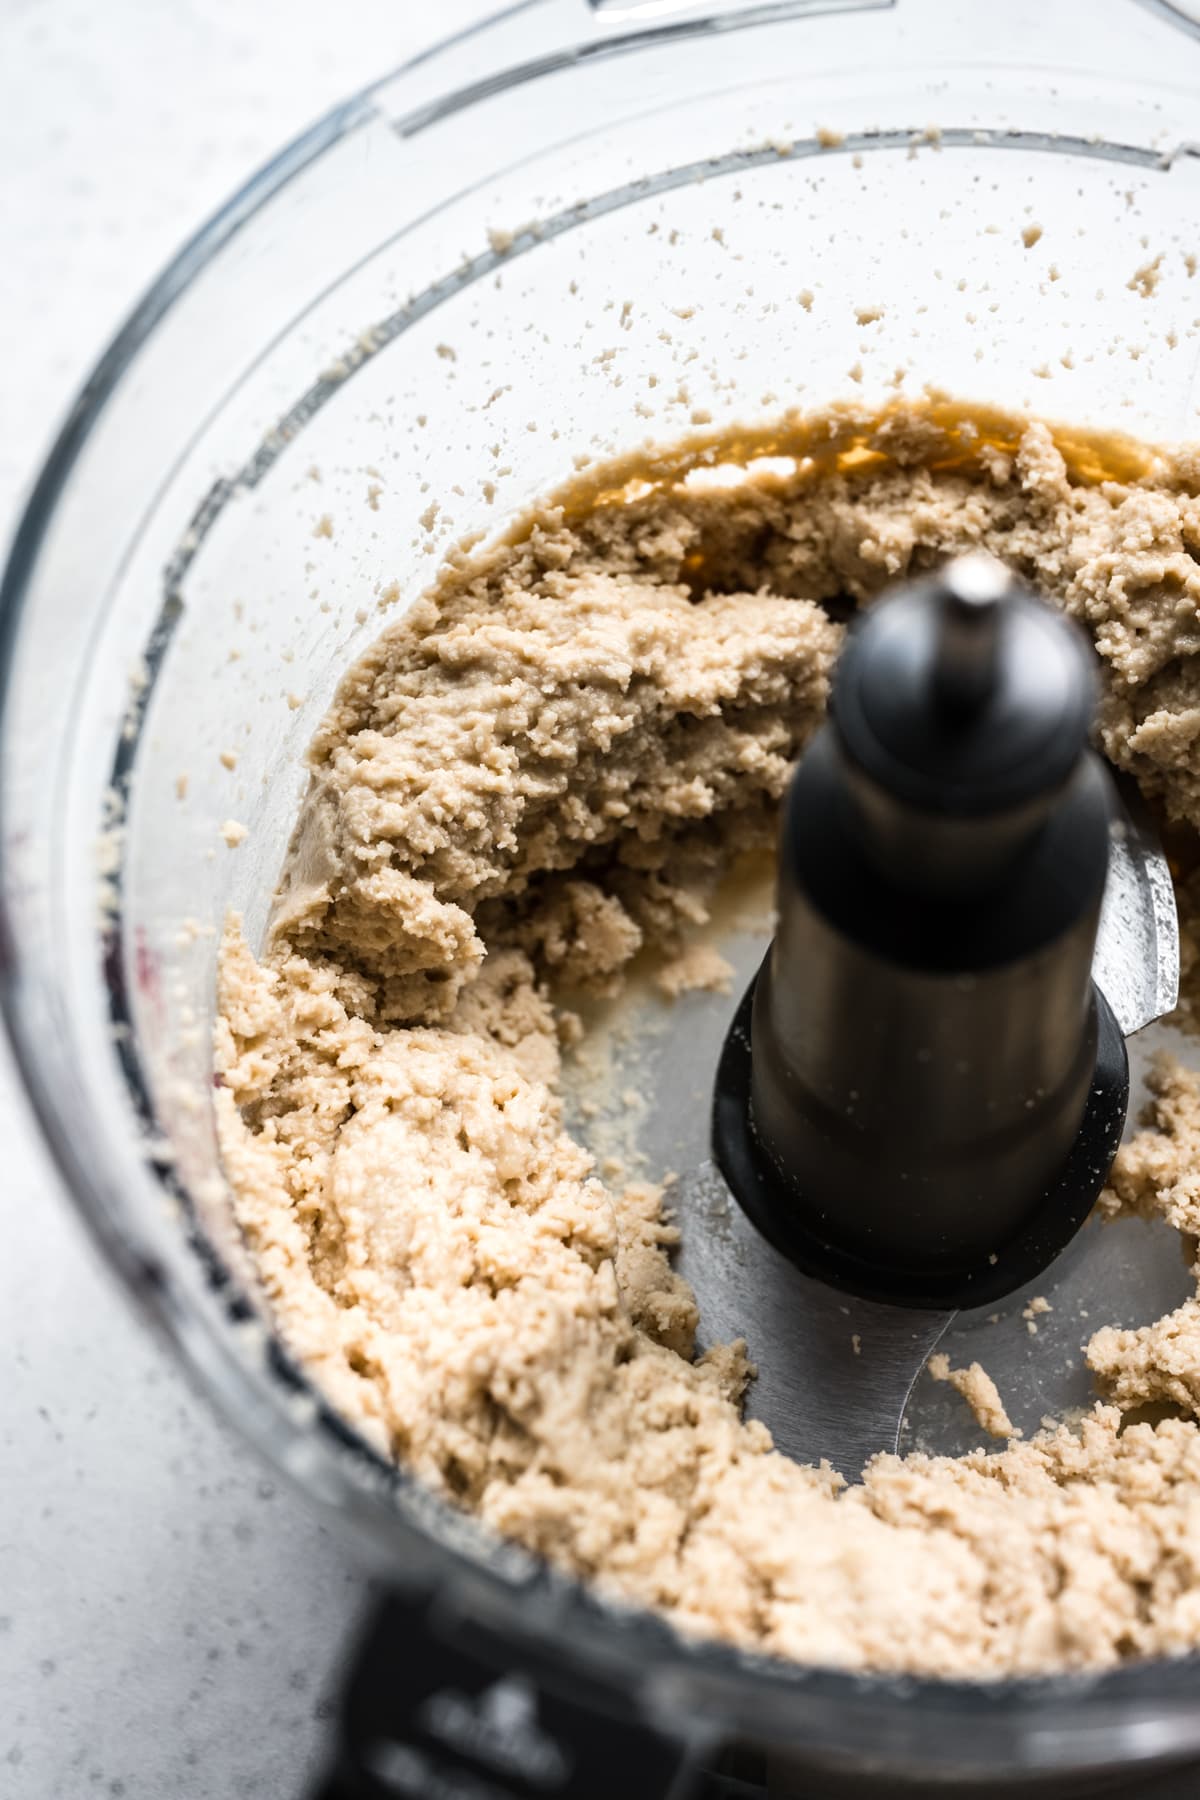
{"points": [[731, 1687]]}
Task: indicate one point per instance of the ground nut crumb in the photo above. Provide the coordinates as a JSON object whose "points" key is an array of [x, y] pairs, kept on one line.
{"points": [[980, 1393], [537, 774]]}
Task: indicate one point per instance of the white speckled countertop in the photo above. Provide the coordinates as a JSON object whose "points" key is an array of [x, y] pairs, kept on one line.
{"points": [[169, 1616]]}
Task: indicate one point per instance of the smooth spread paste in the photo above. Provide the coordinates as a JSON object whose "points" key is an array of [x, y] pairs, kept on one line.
{"points": [[541, 767]]}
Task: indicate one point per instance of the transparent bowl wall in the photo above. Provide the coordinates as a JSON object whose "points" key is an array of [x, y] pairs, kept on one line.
{"points": [[573, 232]]}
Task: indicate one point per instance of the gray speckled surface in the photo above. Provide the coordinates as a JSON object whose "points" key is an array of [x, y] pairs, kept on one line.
{"points": [[169, 1615]]}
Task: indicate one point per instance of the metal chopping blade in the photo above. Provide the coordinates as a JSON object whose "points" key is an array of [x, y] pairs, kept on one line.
{"points": [[835, 1372], [1136, 965]]}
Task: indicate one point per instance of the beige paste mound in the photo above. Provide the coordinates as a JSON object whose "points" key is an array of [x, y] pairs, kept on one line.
{"points": [[543, 766]]}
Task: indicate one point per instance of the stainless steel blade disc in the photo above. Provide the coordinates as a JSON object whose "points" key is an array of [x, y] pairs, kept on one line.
{"points": [[834, 1373]]}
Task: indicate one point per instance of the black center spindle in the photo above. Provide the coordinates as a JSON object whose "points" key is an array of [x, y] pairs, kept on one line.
{"points": [[921, 1097]]}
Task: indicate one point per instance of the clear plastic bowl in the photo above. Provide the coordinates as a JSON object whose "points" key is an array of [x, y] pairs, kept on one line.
{"points": [[571, 232]]}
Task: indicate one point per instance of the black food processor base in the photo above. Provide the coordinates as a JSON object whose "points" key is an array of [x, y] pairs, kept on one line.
{"points": [[438, 1708]]}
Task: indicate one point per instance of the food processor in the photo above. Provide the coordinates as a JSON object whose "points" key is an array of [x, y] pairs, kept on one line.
{"points": [[575, 234]]}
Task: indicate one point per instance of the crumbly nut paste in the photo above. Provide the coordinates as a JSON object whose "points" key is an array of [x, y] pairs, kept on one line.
{"points": [[541, 767]]}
